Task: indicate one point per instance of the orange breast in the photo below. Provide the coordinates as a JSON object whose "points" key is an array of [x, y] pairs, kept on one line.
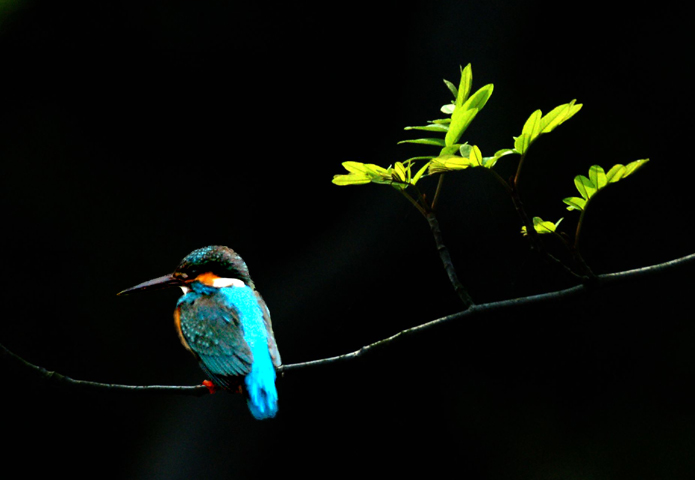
{"points": [[177, 324]]}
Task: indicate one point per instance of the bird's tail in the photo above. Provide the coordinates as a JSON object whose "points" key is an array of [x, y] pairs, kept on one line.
{"points": [[261, 392]]}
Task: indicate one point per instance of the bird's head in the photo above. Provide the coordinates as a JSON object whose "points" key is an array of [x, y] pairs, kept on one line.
{"points": [[214, 266]]}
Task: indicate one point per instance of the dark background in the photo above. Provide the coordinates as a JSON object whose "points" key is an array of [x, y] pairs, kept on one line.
{"points": [[135, 132]]}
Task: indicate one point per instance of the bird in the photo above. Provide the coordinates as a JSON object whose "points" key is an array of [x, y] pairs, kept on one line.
{"points": [[225, 323]]}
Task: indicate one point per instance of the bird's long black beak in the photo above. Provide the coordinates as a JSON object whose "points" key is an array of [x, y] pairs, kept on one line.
{"points": [[165, 281]]}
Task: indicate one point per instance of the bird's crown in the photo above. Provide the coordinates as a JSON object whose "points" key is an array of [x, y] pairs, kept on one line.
{"points": [[218, 260]]}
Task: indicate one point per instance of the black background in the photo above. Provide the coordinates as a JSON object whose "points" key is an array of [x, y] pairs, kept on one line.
{"points": [[134, 132]]}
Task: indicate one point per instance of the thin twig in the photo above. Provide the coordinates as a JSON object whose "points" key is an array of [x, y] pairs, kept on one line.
{"points": [[62, 380], [472, 311], [536, 243], [446, 261]]}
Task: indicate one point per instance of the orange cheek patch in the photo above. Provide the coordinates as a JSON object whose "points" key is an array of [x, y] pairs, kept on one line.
{"points": [[207, 278]]}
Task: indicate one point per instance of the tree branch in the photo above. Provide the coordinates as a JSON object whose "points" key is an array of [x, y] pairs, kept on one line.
{"points": [[62, 380], [472, 311], [475, 310], [446, 260]]}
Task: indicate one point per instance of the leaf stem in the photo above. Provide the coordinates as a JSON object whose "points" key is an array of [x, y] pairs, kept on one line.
{"points": [[574, 249], [515, 182], [519, 205], [527, 222], [579, 226], [502, 181], [422, 209], [438, 191]]}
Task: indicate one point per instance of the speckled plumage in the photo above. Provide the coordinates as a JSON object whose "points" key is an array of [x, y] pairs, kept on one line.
{"points": [[227, 328], [230, 334]]}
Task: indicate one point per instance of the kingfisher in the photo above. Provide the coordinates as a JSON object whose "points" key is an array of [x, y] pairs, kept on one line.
{"points": [[224, 322]]}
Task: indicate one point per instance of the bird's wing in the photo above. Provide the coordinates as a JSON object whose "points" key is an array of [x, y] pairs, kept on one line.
{"points": [[272, 345], [213, 333]]}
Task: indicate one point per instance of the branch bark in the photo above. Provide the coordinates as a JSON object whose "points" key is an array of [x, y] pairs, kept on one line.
{"points": [[446, 261], [472, 311], [62, 380]]}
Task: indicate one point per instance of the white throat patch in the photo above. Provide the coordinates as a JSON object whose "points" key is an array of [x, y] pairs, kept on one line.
{"points": [[227, 282]]}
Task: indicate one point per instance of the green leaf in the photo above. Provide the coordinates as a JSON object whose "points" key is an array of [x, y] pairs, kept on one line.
{"points": [[541, 226], [447, 163], [375, 170], [459, 122], [531, 130], [358, 174], [618, 172], [351, 179], [538, 124], [585, 186], [420, 172], [465, 85], [598, 177], [633, 166], [598, 180], [400, 172], [450, 150], [452, 88], [413, 159], [532, 127], [489, 162], [438, 142], [558, 115], [479, 98], [354, 167], [476, 157], [465, 150], [448, 108], [575, 203], [615, 173], [463, 115], [470, 157], [435, 127], [521, 143]]}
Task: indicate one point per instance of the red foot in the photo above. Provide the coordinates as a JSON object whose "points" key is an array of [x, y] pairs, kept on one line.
{"points": [[210, 386]]}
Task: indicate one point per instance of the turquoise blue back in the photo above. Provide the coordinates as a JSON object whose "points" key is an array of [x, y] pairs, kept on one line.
{"points": [[260, 382], [225, 328]]}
